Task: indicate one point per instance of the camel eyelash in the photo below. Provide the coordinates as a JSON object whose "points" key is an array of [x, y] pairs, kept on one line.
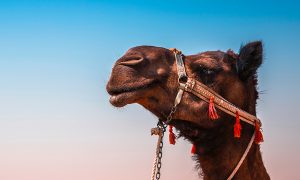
{"points": [[207, 75], [207, 70]]}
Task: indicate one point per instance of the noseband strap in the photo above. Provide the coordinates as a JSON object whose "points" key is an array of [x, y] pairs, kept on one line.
{"points": [[205, 93]]}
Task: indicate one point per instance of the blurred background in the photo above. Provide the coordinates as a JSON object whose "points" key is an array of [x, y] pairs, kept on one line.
{"points": [[56, 56]]}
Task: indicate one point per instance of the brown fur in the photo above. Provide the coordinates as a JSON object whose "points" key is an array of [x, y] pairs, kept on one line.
{"points": [[147, 75]]}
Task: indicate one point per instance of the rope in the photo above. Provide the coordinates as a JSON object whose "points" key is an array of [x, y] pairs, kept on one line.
{"points": [[154, 168], [243, 158]]}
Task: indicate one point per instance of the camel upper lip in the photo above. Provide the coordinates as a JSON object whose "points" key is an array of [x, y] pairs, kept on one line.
{"points": [[120, 90]]}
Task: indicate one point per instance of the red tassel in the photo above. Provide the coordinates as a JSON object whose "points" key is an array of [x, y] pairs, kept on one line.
{"points": [[172, 136], [237, 126], [193, 150], [258, 134], [212, 113]]}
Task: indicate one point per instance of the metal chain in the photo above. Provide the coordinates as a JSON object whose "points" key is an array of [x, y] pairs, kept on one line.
{"points": [[172, 112], [160, 130]]}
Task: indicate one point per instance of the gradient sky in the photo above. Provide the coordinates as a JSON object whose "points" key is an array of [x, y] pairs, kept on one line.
{"points": [[56, 56]]}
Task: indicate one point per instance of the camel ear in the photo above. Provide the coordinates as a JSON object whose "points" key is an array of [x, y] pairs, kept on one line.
{"points": [[250, 58]]}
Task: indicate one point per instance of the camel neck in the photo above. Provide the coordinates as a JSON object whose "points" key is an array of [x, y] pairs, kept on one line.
{"points": [[218, 152], [218, 158]]}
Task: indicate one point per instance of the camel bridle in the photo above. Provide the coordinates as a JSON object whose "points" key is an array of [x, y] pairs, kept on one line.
{"points": [[190, 85]]}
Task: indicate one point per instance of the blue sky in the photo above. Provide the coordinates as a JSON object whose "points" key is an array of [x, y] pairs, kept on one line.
{"points": [[56, 57]]}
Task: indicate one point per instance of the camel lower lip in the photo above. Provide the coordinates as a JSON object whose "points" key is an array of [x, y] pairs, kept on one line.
{"points": [[120, 100], [114, 101]]}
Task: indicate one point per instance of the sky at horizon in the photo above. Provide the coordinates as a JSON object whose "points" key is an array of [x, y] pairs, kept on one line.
{"points": [[56, 57]]}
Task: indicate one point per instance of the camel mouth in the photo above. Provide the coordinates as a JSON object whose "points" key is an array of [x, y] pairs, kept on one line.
{"points": [[128, 94]]}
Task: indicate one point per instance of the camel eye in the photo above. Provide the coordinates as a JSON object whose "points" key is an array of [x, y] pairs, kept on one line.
{"points": [[209, 71], [206, 75]]}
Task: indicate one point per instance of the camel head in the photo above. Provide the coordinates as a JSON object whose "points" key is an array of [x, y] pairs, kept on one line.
{"points": [[147, 75]]}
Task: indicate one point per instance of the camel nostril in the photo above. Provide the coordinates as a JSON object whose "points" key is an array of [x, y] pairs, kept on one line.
{"points": [[131, 62]]}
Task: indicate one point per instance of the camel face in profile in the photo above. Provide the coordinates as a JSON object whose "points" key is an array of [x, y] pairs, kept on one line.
{"points": [[147, 75]]}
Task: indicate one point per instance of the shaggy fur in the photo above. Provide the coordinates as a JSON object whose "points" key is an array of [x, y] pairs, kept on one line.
{"points": [[147, 75]]}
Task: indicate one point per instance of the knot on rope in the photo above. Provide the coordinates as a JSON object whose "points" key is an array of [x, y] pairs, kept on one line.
{"points": [[156, 131]]}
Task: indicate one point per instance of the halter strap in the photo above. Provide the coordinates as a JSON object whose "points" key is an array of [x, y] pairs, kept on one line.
{"points": [[205, 93]]}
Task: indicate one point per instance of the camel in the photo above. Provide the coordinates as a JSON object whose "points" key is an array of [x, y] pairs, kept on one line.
{"points": [[147, 75]]}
